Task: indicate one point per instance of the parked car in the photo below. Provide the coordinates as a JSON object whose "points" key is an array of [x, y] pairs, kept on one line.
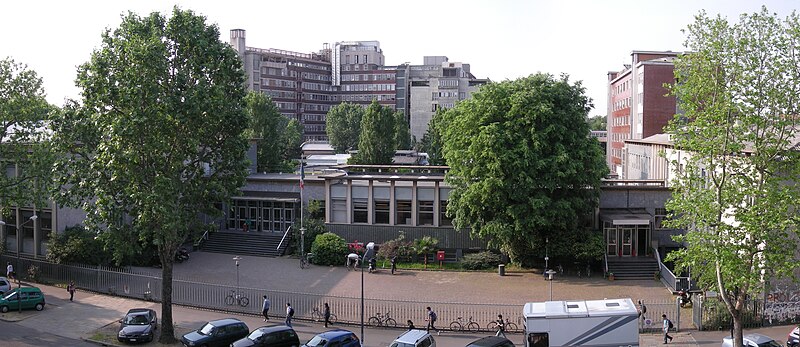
{"points": [[27, 297], [277, 336], [793, 340], [338, 337], [414, 338], [753, 340], [491, 341], [220, 332], [5, 285], [138, 325]]}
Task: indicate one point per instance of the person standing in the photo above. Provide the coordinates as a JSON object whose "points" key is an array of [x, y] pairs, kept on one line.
{"points": [[10, 271], [265, 308], [642, 312], [394, 264], [667, 325], [71, 289], [431, 320], [501, 326], [326, 312], [410, 325], [289, 314]]}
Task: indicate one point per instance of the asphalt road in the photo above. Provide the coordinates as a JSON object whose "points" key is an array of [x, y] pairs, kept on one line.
{"points": [[15, 335]]}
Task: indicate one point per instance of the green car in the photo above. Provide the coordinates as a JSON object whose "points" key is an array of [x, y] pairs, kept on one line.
{"points": [[32, 297]]}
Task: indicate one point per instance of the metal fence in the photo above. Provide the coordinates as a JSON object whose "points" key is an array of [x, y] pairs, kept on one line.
{"points": [[711, 314], [141, 285], [651, 321]]}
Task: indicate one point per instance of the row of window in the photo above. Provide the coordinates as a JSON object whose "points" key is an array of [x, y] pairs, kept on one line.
{"points": [[316, 107], [313, 117], [367, 87], [448, 83], [381, 210], [367, 77], [317, 86], [310, 66], [316, 76], [621, 87], [314, 128], [621, 104], [278, 83], [444, 105], [274, 93], [368, 98], [617, 121], [437, 95]]}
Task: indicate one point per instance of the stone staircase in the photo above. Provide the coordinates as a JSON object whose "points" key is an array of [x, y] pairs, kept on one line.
{"points": [[633, 268], [260, 244]]}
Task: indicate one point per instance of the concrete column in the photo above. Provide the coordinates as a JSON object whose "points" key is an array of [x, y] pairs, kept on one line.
{"points": [[370, 204], [392, 204], [414, 203], [437, 204], [36, 235], [328, 205]]}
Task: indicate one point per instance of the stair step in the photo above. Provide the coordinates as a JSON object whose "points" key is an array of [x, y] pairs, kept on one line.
{"points": [[240, 243]]}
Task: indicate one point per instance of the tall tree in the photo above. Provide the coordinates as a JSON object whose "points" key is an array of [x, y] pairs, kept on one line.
{"points": [[597, 123], [740, 91], [376, 144], [431, 142], [343, 126], [23, 141], [521, 163], [402, 134], [158, 137], [267, 125]]}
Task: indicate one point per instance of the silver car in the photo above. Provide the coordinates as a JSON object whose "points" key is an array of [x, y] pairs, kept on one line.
{"points": [[753, 340]]}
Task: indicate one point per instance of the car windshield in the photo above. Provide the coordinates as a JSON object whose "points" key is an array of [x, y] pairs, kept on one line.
{"points": [[316, 341], [136, 319], [401, 344], [255, 335], [206, 329]]}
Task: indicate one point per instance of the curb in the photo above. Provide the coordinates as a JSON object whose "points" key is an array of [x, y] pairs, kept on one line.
{"points": [[101, 343]]}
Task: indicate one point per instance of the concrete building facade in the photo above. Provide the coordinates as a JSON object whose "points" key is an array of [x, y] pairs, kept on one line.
{"points": [[638, 104]]}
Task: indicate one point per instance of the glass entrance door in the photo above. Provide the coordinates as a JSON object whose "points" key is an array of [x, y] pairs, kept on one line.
{"points": [[611, 242], [627, 242]]}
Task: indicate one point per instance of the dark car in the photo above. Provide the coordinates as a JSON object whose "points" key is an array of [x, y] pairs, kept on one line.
{"points": [[338, 337], [793, 340], [26, 297], [216, 333], [491, 341], [138, 325], [277, 336]]}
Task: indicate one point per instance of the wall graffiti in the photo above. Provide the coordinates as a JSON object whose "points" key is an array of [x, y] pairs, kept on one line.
{"points": [[782, 304]]}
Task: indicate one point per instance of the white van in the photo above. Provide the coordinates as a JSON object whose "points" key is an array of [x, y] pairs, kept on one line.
{"points": [[611, 322], [414, 338]]}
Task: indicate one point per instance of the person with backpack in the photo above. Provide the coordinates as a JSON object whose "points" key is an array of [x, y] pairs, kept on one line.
{"points": [[326, 313], [431, 320], [642, 312], [667, 326], [289, 314], [501, 326]]}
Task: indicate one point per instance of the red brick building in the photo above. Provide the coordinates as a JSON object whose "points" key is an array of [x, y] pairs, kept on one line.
{"points": [[638, 104]]}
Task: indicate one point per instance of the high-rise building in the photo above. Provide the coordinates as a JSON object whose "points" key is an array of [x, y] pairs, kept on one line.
{"points": [[305, 85], [638, 103]]}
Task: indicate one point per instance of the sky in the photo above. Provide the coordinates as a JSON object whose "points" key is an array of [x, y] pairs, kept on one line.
{"points": [[500, 39]]}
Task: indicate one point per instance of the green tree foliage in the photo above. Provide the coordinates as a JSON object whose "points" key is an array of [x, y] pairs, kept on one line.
{"points": [[394, 248], [329, 249], [23, 141], [158, 137], [431, 142], [266, 125], [597, 123], [292, 138], [402, 134], [77, 245], [314, 224], [424, 246], [480, 261], [522, 167], [376, 145], [739, 88], [343, 126]]}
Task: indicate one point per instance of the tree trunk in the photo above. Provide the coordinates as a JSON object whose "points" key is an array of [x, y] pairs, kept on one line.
{"points": [[738, 340], [426, 260], [167, 327]]}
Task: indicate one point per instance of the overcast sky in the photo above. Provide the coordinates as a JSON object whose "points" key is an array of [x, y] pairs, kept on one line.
{"points": [[500, 39]]}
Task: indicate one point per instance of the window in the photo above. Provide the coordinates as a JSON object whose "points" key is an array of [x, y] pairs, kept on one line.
{"points": [[380, 205], [360, 211], [425, 213], [538, 340], [444, 220], [660, 216]]}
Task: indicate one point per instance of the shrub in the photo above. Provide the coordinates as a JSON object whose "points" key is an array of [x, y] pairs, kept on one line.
{"points": [[329, 249], [77, 245], [398, 247], [313, 227], [480, 261]]}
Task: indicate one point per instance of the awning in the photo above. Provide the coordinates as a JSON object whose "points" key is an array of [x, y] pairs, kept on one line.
{"points": [[617, 218]]}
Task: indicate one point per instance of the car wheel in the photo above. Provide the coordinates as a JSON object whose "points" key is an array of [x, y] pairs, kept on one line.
{"points": [[39, 306], [4, 309]]}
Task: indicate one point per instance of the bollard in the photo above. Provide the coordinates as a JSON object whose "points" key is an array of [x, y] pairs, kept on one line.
{"points": [[501, 269]]}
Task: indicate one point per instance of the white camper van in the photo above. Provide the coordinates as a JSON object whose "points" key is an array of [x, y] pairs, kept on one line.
{"points": [[581, 323]]}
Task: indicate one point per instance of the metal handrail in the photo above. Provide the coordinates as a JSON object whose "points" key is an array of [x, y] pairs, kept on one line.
{"points": [[199, 241], [605, 263], [284, 238]]}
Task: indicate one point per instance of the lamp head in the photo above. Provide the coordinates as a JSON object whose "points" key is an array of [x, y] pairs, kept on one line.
{"points": [[2, 223], [34, 217]]}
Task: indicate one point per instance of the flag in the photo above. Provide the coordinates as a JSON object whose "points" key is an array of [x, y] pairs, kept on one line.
{"points": [[302, 174]]}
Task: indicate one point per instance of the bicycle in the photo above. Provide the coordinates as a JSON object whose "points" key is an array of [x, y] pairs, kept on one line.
{"points": [[510, 327], [381, 320], [234, 297], [304, 260], [459, 324], [317, 316]]}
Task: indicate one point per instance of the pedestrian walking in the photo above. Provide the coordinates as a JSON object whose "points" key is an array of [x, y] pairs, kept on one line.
{"points": [[71, 290], [642, 312], [265, 308], [10, 271], [326, 312], [410, 325], [501, 326], [431, 320], [289, 314], [667, 326], [394, 264]]}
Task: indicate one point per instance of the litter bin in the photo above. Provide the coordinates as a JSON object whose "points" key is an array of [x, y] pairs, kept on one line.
{"points": [[501, 269]]}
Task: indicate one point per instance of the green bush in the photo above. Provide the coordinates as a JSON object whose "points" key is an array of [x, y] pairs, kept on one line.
{"points": [[480, 261], [77, 245], [329, 249]]}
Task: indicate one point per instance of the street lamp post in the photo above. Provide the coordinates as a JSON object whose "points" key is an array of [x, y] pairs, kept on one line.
{"points": [[550, 274], [236, 259], [368, 251]]}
